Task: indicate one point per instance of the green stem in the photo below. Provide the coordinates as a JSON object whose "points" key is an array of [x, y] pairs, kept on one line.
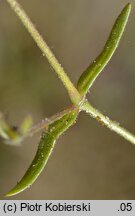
{"points": [[73, 93], [16, 137], [112, 125], [44, 124]]}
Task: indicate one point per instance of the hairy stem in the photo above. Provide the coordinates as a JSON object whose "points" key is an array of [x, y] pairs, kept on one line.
{"points": [[73, 93], [47, 121], [15, 137], [112, 125]]}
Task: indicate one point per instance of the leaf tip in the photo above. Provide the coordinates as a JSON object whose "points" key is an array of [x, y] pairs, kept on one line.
{"points": [[11, 193], [128, 7]]}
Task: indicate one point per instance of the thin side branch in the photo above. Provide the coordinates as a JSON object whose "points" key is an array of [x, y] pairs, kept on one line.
{"points": [[15, 137], [47, 121], [112, 125], [73, 93]]}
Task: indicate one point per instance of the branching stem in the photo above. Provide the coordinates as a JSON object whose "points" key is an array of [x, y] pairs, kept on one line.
{"points": [[73, 92], [60, 122]]}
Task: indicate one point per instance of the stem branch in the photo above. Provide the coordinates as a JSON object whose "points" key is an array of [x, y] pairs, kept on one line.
{"points": [[112, 125], [47, 121]]}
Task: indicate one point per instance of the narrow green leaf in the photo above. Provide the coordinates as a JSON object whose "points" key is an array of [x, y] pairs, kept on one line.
{"points": [[90, 74], [44, 151]]}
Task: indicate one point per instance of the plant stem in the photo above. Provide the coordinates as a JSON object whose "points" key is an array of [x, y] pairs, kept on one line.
{"points": [[112, 125], [73, 93], [16, 137], [47, 121]]}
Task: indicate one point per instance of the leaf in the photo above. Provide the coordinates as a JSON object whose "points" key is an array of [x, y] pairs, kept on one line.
{"points": [[44, 151], [90, 74]]}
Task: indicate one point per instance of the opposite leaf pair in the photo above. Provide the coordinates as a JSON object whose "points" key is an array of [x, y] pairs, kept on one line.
{"points": [[77, 95]]}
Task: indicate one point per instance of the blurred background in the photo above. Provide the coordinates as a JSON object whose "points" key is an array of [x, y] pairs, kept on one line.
{"points": [[89, 161]]}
